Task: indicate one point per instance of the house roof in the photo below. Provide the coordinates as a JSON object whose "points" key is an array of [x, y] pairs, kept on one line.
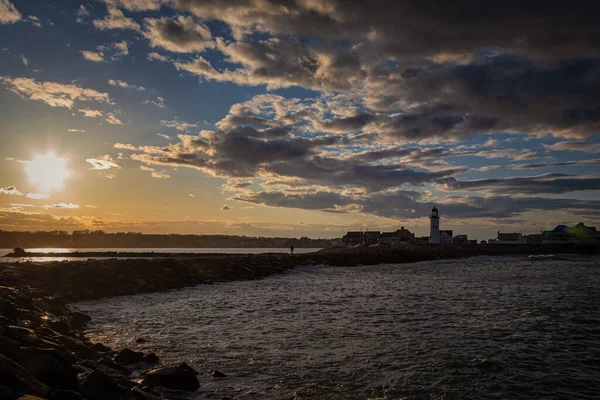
{"points": [[509, 236]]}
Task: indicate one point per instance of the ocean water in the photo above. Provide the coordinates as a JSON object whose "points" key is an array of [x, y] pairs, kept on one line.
{"points": [[461, 329], [219, 250]]}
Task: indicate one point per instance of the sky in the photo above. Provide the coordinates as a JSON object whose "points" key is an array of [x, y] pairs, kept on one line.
{"points": [[298, 117]]}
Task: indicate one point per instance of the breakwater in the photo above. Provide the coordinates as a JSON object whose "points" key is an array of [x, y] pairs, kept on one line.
{"points": [[43, 351]]}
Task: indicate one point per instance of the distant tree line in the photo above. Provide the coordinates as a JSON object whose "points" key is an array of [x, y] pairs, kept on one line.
{"points": [[100, 239]]}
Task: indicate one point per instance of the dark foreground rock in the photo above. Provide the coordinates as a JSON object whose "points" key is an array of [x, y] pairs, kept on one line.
{"points": [[180, 377]]}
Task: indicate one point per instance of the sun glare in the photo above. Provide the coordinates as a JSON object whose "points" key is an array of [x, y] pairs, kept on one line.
{"points": [[47, 171]]}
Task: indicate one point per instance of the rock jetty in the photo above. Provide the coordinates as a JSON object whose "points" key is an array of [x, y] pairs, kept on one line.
{"points": [[45, 355]]}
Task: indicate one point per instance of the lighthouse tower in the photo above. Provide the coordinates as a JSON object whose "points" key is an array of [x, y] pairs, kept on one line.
{"points": [[434, 227]]}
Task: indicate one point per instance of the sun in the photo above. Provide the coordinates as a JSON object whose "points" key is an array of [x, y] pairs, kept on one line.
{"points": [[47, 171]]}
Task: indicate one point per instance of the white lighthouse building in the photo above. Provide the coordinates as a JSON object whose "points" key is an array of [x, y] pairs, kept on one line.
{"points": [[434, 226]]}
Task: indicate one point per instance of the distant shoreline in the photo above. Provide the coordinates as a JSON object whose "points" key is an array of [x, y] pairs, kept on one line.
{"points": [[457, 250]]}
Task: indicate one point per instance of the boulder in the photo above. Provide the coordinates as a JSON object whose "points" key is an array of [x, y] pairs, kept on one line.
{"points": [[18, 378], [60, 326], [25, 336], [139, 394], [9, 347], [180, 377], [126, 357], [100, 348], [150, 358], [49, 367], [99, 386], [66, 395], [78, 319]]}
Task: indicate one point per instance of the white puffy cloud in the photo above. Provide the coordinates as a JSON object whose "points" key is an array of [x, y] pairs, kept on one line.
{"points": [[52, 93], [112, 119], [10, 190], [115, 20], [89, 113], [8, 13], [102, 163], [92, 55]]}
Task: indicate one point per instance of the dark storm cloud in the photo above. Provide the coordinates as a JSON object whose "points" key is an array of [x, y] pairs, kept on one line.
{"points": [[405, 205], [548, 28], [180, 34], [546, 183]]}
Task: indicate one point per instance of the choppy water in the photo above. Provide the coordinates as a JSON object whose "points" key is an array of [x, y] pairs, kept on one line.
{"points": [[463, 329]]}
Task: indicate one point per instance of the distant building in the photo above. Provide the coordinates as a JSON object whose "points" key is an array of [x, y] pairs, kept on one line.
{"points": [[366, 238], [352, 239], [460, 239], [399, 238], [446, 236], [508, 238], [434, 226], [532, 239], [578, 234]]}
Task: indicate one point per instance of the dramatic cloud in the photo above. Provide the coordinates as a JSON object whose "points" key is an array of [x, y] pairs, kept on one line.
{"points": [[226, 208], [124, 146], [159, 102], [125, 85], [136, 5], [115, 20], [104, 162], [11, 190], [155, 56], [159, 175], [113, 120], [546, 183], [63, 206], [52, 93], [37, 196], [89, 113], [24, 59], [179, 125], [179, 35], [92, 56], [586, 147], [8, 13]]}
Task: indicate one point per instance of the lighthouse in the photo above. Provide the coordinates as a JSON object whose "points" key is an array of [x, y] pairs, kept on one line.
{"points": [[434, 226]]}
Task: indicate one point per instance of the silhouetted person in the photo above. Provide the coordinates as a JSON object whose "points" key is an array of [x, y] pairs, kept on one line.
{"points": [[292, 249]]}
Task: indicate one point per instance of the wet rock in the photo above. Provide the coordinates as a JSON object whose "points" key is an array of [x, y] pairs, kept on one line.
{"points": [[49, 367], [66, 395], [218, 374], [18, 378], [25, 336], [100, 348], [105, 364], [180, 377], [150, 358], [139, 394], [9, 347], [127, 356], [60, 326], [99, 386], [78, 319]]}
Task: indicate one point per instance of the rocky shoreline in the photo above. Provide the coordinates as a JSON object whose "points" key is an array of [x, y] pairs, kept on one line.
{"points": [[45, 355]]}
